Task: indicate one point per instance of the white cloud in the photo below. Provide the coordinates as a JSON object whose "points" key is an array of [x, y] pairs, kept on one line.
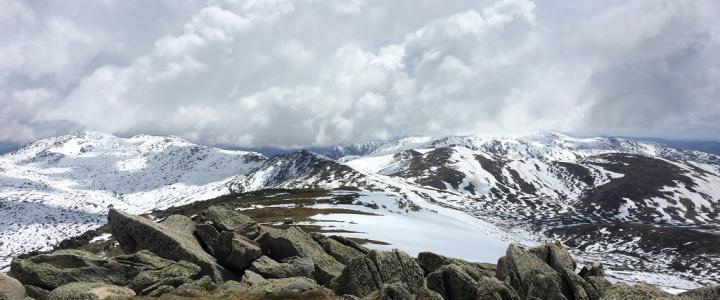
{"points": [[312, 72]]}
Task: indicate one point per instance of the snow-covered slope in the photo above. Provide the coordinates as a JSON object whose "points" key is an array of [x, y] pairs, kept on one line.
{"points": [[525, 185]]}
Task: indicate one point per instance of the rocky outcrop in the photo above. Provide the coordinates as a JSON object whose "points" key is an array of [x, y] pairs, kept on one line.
{"points": [[172, 239], [228, 220], [290, 267], [431, 262], [364, 275], [90, 291], [232, 250], [11, 288], [183, 258], [56, 269], [281, 244]]}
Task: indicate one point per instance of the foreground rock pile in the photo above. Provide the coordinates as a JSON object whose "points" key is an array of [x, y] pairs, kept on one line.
{"points": [[221, 254]]}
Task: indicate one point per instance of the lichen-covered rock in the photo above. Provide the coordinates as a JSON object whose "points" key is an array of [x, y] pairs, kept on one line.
{"points": [[251, 278], [623, 291], [229, 220], [61, 267], [281, 244], [172, 240], [11, 288], [490, 288], [290, 267], [452, 283], [431, 262], [708, 292], [529, 275], [364, 275], [290, 288], [36, 292], [593, 269], [234, 251], [554, 255], [146, 279], [342, 249], [90, 291]]}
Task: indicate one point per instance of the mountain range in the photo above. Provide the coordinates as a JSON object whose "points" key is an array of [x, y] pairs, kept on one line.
{"points": [[651, 212]]}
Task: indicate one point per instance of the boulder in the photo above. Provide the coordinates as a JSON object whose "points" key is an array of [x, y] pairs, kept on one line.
{"points": [[393, 291], [181, 269], [234, 251], [172, 240], [452, 283], [593, 269], [529, 275], [251, 278], [11, 288], [203, 284], [229, 220], [36, 292], [90, 291], [636, 292], [281, 244], [363, 275], [431, 262], [61, 267], [342, 249], [290, 288], [490, 288], [290, 267]]}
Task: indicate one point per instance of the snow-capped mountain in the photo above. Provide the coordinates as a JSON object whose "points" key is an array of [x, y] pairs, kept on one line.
{"points": [[539, 185]]}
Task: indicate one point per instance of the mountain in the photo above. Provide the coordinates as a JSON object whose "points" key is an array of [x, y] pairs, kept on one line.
{"points": [[536, 187]]}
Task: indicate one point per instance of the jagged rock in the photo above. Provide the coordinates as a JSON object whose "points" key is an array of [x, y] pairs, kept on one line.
{"points": [[90, 291], [229, 220], [555, 255], [36, 292], [203, 284], [146, 279], [160, 290], [281, 244], [293, 287], [394, 291], [171, 240], [637, 292], [232, 250], [141, 261], [490, 288], [593, 269], [452, 283], [61, 267], [431, 262], [290, 267], [342, 249], [529, 275], [251, 278], [11, 288], [707, 292], [363, 275]]}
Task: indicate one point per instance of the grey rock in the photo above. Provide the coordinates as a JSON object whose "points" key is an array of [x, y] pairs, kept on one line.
{"points": [[36, 292], [90, 291], [203, 284], [281, 244], [229, 220], [593, 269], [293, 288], [431, 262], [232, 250], [146, 279], [160, 290], [491, 288], [61, 267], [452, 283], [251, 278], [342, 249], [529, 275], [363, 275], [11, 288], [290, 267], [172, 240]]}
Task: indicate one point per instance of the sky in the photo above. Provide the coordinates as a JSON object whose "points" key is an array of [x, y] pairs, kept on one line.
{"points": [[299, 73]]}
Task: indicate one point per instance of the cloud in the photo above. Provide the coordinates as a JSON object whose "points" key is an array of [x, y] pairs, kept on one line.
{"points": [[317, 72]]}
